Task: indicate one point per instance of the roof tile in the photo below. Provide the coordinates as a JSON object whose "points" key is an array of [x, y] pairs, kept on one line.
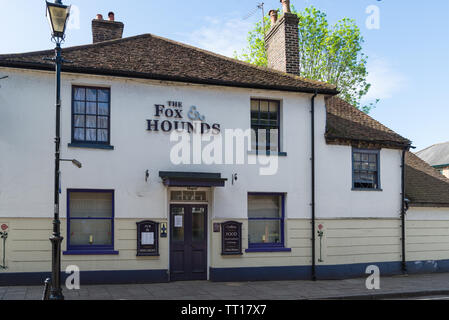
{"points": [[347, 125], [425, 186], [153, 57]]}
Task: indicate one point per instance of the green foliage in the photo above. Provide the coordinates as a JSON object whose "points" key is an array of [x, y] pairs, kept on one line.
{"points": [[332, 54], [255, 52]]}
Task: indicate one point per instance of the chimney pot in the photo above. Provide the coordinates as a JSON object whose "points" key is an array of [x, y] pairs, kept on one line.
{"points": [[99, 17], [111, 16], [273, 16], [285, 6]]}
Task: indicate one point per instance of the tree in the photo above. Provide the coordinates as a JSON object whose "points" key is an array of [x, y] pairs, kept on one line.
{"points": [[332, 54]]}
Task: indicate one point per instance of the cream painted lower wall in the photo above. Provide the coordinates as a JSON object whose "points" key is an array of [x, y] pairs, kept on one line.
{"points": [[350, 241], [427, 234], [28, 248], [345, 241], [297, 236], [427, 240]]}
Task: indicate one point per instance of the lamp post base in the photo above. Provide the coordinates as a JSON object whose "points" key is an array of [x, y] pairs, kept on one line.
{"points": [[56, 295], [55, 290]]}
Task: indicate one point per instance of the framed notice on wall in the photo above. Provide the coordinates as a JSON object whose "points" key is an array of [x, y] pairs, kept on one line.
{"points": [[147, 238], [231, 238]]}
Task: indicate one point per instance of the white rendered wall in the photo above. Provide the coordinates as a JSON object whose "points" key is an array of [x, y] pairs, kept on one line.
{"points": [[27, 148], [334, 195]]}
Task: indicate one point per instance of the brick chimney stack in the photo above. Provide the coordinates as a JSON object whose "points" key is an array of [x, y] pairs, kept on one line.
{"points": [[104, 30], [282, 43]]}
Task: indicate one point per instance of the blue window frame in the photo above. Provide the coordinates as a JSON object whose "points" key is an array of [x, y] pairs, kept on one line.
{"points": [[90, 221], [266, 215], [91, 116], [365, 169]]}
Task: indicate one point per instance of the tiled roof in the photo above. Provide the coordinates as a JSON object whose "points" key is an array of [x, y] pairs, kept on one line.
{"points": [[425, 186], [153, 57], [347, 125], [436, 155]]}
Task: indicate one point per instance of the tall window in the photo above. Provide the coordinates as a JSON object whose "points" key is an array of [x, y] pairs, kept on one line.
{"points": [[90, 220], [366, 173], [265, 121], [91, 115], [265, 220]]}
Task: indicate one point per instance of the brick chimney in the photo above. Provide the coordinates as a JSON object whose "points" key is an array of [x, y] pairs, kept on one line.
{"points": [[104, 30], [281, 42]]}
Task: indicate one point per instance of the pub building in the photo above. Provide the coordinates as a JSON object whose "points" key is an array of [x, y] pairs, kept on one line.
{"points": [[335, 204]]}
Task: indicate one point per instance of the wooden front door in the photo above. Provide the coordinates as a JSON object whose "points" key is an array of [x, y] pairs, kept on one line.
{"points": [[188, 242]]}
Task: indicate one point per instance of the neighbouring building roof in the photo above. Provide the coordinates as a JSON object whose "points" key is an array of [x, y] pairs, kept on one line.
{"points": [[436, 155], [347, 125], [152, 57], [424, 185]]}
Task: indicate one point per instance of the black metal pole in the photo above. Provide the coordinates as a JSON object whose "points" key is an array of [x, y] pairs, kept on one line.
{"points": [[312, 158], [403, 212], [56, 239]]}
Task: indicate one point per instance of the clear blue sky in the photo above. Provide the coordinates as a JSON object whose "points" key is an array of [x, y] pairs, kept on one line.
{"points": [[408, 54]]}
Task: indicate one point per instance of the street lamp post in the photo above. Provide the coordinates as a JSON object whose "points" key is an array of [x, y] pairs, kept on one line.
{"points": [[57, 15]]}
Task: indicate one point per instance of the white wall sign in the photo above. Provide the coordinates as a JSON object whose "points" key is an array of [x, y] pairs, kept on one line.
{"points": [[178, 221]]}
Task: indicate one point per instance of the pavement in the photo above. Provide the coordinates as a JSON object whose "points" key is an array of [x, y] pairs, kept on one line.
{"points": [[427, 286]]}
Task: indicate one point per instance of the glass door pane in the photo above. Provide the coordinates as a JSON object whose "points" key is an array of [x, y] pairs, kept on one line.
{"points": [[178, 223], [198, 224]]}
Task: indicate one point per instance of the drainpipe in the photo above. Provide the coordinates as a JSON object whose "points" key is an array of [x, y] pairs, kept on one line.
{"points": [[313, 183], [403, 209], [403, 264]]}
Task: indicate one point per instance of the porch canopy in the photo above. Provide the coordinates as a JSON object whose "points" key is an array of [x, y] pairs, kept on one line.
{"points": [[191, 179]]}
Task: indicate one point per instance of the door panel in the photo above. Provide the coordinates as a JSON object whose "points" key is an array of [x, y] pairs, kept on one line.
{"points": [[188, 242]]}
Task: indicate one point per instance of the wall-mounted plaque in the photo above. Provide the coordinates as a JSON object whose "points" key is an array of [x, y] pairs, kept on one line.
{"points": [[147, 238], [164, 230], [231, 238]]}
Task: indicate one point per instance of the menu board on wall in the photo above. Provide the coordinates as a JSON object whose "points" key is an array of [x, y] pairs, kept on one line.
{"points": [[231, 238], [147, 238]]}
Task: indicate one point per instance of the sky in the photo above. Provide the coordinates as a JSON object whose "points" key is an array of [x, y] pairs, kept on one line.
{"points": [[408, 50]]}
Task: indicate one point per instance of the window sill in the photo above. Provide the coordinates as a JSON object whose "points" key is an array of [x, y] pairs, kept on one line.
{"points": [[360, 189], [90, 146], [271, 153], [89, 252], [268, 249]]}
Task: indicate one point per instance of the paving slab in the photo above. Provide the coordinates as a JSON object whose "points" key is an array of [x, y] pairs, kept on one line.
{"points": [[398, 286]]}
